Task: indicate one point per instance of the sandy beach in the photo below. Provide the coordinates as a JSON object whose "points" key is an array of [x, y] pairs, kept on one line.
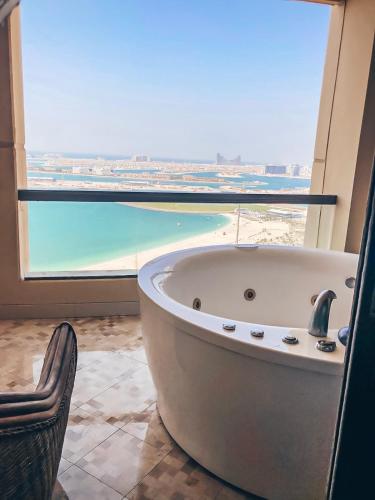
{"points": [[250, 231]]}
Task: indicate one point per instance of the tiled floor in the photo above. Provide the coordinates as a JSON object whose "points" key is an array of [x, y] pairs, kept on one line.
{"points": [[116, 446]]}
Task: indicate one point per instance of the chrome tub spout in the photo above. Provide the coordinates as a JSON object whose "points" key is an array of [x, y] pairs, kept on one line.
{"points": [[318, 325]]}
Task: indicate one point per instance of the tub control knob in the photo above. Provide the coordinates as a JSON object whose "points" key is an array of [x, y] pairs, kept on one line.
{"points": [[290, 339], [326, 345], [259, 334], [229, 327]]}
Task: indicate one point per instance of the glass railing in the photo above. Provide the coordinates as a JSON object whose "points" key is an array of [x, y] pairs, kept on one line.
{"points": [[81, 231]]}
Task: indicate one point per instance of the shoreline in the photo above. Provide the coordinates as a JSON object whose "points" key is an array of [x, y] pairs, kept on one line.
{"points": [[250, 231], [137, 259], [144, 206]]}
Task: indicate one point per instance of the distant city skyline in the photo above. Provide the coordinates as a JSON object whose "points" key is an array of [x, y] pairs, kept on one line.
{"points": [[139, 157], [173, 79]]}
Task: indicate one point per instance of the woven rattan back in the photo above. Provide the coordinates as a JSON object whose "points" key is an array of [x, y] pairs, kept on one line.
{"points": [[32, 425]]}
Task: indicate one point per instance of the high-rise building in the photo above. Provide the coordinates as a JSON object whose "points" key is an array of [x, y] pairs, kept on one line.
{"points": [[221, 160], [140, 158], [294, 170], [276, 169]]}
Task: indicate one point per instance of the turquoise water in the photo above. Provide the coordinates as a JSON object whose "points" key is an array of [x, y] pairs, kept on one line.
{"points": [[68, 236]]}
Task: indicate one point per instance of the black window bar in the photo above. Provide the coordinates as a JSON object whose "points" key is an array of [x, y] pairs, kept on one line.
{"points": [[82, 195]]}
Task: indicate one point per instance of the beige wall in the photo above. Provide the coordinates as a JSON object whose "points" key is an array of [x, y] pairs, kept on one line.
{"points": [[341, 140], [320, 220], [338, 151], [365, 159]]}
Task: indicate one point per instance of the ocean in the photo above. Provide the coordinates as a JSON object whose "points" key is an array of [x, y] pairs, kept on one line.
{"points": [[68, 236]]}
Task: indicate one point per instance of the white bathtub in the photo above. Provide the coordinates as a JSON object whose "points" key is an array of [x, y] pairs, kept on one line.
{"points": [[255, 411]]}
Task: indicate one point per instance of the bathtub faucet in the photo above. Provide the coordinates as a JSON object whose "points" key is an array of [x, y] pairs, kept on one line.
{"points": [[318, 325]]}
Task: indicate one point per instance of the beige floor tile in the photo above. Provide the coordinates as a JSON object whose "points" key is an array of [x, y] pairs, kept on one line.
{"points": [[147, 426], [121, 461], [177, 477], [96, 377], [22, 348], [78, 485], [117, 364], [132, 394], [138, 354], [84, 432], [118, 333], [63, 466], [89, 383], [112, 363]]}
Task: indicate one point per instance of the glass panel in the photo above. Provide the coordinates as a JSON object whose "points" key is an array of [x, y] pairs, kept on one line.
{"points": [[272, 224], [67, 236]]}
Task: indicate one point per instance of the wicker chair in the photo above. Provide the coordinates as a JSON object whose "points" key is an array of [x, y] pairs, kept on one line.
{"points": [[32, 425]]}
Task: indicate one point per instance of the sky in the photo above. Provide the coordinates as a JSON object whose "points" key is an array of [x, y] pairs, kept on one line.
{"points": [[174, 78]]}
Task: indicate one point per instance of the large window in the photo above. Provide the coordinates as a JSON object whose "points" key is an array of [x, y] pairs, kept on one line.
{"points": [[167, 96]]}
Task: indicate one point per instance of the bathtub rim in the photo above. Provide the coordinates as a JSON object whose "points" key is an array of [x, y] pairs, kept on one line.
{"points": [[200, 324]]}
